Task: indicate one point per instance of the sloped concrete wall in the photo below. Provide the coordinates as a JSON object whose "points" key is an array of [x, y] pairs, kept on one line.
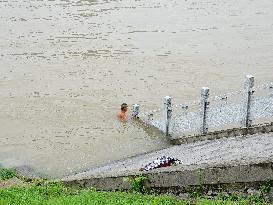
{"points": [[263, 128], [176, 177]]}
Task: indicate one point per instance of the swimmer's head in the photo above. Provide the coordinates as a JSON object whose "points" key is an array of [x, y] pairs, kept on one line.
{"points": [[124, 107]]}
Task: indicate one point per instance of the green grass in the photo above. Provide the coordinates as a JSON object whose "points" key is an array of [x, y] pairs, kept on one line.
{"points": [[57, 194], [40, 191], [6, 174]]}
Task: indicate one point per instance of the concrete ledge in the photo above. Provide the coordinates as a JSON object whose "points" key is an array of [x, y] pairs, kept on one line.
{"points": [[263, 128], [180, 178]]}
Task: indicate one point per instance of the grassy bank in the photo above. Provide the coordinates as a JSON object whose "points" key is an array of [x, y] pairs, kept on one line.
{"points": [[56, 194], [43, 192]]}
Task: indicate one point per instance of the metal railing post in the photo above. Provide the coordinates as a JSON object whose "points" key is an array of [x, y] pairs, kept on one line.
{"points": [[167, 113], [184, 109], [135, 111], [271, 90], [150, 116], [249, 89], [204, 109]]}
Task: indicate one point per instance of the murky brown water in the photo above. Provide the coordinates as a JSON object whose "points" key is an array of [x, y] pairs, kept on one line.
{"points": [[66, 66]]}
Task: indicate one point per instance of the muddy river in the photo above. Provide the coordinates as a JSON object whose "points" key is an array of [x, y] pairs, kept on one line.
{"points": [[67, 65]]}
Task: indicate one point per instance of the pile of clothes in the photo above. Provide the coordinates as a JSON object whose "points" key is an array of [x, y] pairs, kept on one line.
{"points": [[163, 161]]}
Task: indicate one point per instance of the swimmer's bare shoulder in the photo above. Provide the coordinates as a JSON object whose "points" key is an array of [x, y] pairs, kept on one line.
{"points": [[121, 115]]}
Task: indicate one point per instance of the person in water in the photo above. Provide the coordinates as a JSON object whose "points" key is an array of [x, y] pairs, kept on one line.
{"points": [[121, 115]]}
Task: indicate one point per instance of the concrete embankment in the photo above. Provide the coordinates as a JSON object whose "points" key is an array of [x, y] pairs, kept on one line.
{"points": [[238, 160], [242, 131], [177, 179]]}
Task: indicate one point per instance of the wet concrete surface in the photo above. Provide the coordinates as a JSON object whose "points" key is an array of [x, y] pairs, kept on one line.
{"points": [[251, 149]]}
